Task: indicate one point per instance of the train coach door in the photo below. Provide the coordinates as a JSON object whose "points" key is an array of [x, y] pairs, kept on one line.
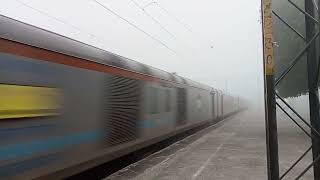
{"points": [[222, 104], [213, 106], [181, 106]]}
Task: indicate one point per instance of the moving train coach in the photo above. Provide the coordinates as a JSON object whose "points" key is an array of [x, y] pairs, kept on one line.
{"points": [[66, 106]]}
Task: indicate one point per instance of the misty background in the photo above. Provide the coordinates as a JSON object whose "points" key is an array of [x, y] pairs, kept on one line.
{"points": [[215, 42]]}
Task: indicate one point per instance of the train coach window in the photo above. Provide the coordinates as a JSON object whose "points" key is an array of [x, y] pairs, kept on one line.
{"points": [[152, 104], [167, 100], [199, 102], [158, 100]]}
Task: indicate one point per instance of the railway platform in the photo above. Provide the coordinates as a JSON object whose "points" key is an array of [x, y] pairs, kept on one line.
{"points": [[233, 149]]}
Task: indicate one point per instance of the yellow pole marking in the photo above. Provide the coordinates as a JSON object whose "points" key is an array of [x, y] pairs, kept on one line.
{"points": [[268, 37]]}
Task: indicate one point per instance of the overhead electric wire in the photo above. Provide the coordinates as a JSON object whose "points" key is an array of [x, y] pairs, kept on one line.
{"points": [[155, 20], [135, 26], [158, 22], [150, 3], [55, 18], [175, 18], [114, 13]]}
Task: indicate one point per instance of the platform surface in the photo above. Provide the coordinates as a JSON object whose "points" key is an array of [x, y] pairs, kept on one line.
{"points": [[233, 149]]}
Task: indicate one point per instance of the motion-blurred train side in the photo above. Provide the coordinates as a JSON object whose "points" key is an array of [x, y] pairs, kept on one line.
{"points": [[66, 106]]}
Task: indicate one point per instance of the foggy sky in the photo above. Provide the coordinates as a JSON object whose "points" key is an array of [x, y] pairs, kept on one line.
{"points": [[216, 42]]}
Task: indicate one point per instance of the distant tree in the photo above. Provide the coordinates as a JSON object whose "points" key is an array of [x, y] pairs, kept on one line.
{"points": [[288, 46]]}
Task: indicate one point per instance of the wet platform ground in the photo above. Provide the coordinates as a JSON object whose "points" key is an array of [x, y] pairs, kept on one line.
{"points": [[233, 149]]}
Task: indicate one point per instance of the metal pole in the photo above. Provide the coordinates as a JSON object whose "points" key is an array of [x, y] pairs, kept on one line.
{"points": [[313, 88], [270, 101]]}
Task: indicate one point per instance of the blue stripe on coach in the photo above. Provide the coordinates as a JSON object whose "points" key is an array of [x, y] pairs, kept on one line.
{"points": [[27, 148]]}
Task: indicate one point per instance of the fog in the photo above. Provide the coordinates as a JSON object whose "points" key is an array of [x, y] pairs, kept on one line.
{"points": [[215, 42], [218, 43]]}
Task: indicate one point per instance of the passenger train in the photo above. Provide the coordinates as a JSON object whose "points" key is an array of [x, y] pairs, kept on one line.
{"points": [[66, 106]]}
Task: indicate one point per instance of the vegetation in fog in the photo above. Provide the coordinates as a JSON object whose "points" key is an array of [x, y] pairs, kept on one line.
{"points": [[287, 46]]}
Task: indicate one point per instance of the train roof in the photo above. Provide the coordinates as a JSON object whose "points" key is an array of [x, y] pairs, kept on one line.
{"points": [[21, 32]]}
